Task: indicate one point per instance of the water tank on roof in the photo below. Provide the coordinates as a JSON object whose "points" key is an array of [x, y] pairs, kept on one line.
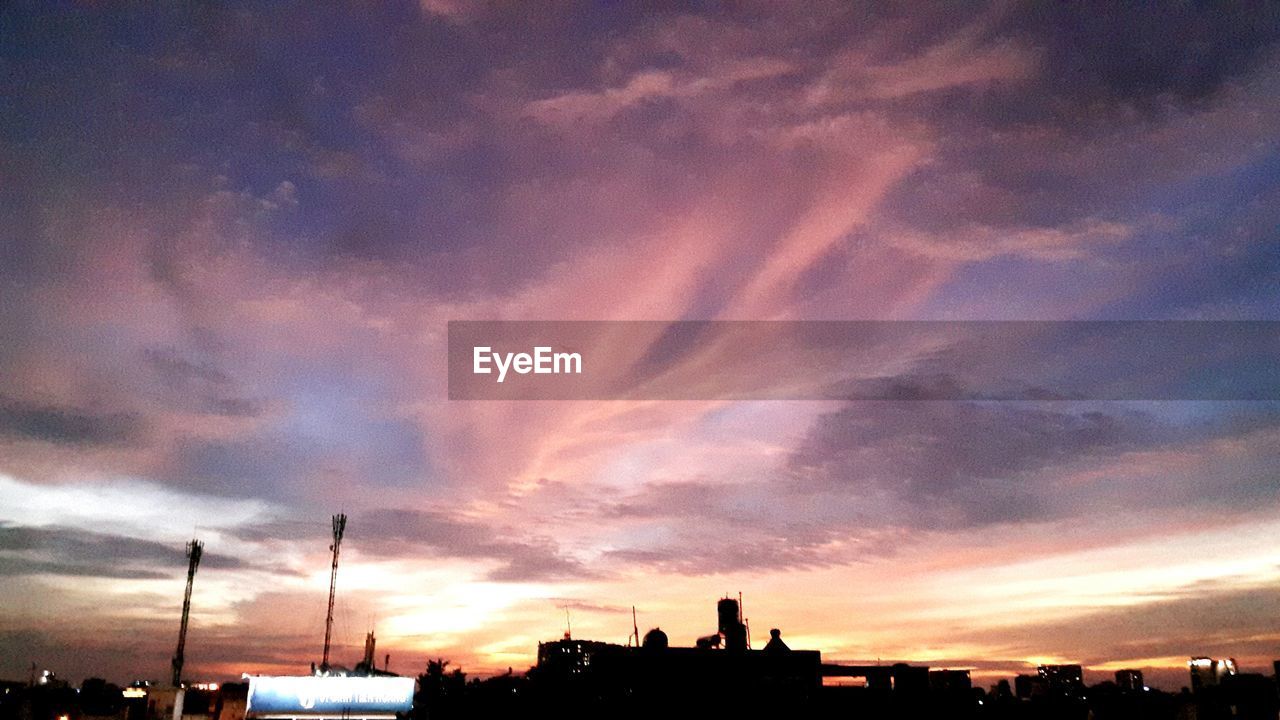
{"points": [[655, 639]]}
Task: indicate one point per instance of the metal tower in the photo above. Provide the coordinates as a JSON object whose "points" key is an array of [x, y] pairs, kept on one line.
{"points": [[339, 527], [195, 549]]}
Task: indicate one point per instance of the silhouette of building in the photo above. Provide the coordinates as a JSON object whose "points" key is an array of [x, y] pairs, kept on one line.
{"points": [[597, 676], [1130, 680], [1026, 687], [775, 644], [901, 678], [732, 629], [1001, 693], [1065, 680], [655, 639], [1243, 696], [950, 681], [1207, 672], [606, 670]]}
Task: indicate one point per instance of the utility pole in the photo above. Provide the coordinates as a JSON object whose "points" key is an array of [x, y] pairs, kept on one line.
{"points": [[339, 527], [195, 549]]}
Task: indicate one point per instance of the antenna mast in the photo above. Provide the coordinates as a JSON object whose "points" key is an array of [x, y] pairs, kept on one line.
{"points": [[742, 618], [339, 527], [195, 549]]}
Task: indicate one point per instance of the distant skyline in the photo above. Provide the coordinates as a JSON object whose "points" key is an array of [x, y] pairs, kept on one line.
{"points": [[233, 235]]}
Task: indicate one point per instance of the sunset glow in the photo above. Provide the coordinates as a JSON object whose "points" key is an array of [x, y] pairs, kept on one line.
{"points": [[233, 238]]}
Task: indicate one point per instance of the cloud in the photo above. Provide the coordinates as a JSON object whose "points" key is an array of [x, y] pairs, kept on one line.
{"points": [[706, 527], [1139, 54], [200, 385], [1204, 620], [177, 370], [589, 607], [67, 426], [570, 109], [240, 286], [965, 464], [408, 533], [874, 479], [455, 10], [54, 550], [970, 58], [939, 448], [975, 244], [769, 549]]}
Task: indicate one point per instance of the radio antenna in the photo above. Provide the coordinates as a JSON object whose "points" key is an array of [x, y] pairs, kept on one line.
{"points": [[339, 527]]}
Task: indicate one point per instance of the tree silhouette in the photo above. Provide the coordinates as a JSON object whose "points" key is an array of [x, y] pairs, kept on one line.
{"points": [[440, 691]]}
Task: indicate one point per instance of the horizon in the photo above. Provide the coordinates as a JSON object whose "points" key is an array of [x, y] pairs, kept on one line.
{"points": [[238, 242], [1165, 678]]}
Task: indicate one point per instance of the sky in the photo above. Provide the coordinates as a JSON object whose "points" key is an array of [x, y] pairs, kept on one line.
{"points": [[234, 235]]}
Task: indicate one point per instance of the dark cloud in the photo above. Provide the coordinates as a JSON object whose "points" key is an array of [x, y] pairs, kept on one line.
{"points": [[65, 425], [771, 545], [55, 550], [710, 528], [212, 651], [1222, 263], [948, 464], [935, 449], [727, 554], [1142, 115], [868, 478], [1198, 621], [10, 566], [281, 529], [234, 407], [267, 464], [177, 370], [405, 533], [201, 385], [312, 445], [1096, 70], [590, 607], [683, 499], [536, 562], [1139, 52], [186, 206]]}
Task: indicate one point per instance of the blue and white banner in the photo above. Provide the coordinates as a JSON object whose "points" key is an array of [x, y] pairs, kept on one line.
{"points": [[346, 696]]}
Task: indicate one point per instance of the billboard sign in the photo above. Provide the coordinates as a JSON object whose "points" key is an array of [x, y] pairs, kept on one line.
{"points": [[312, 696]]}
